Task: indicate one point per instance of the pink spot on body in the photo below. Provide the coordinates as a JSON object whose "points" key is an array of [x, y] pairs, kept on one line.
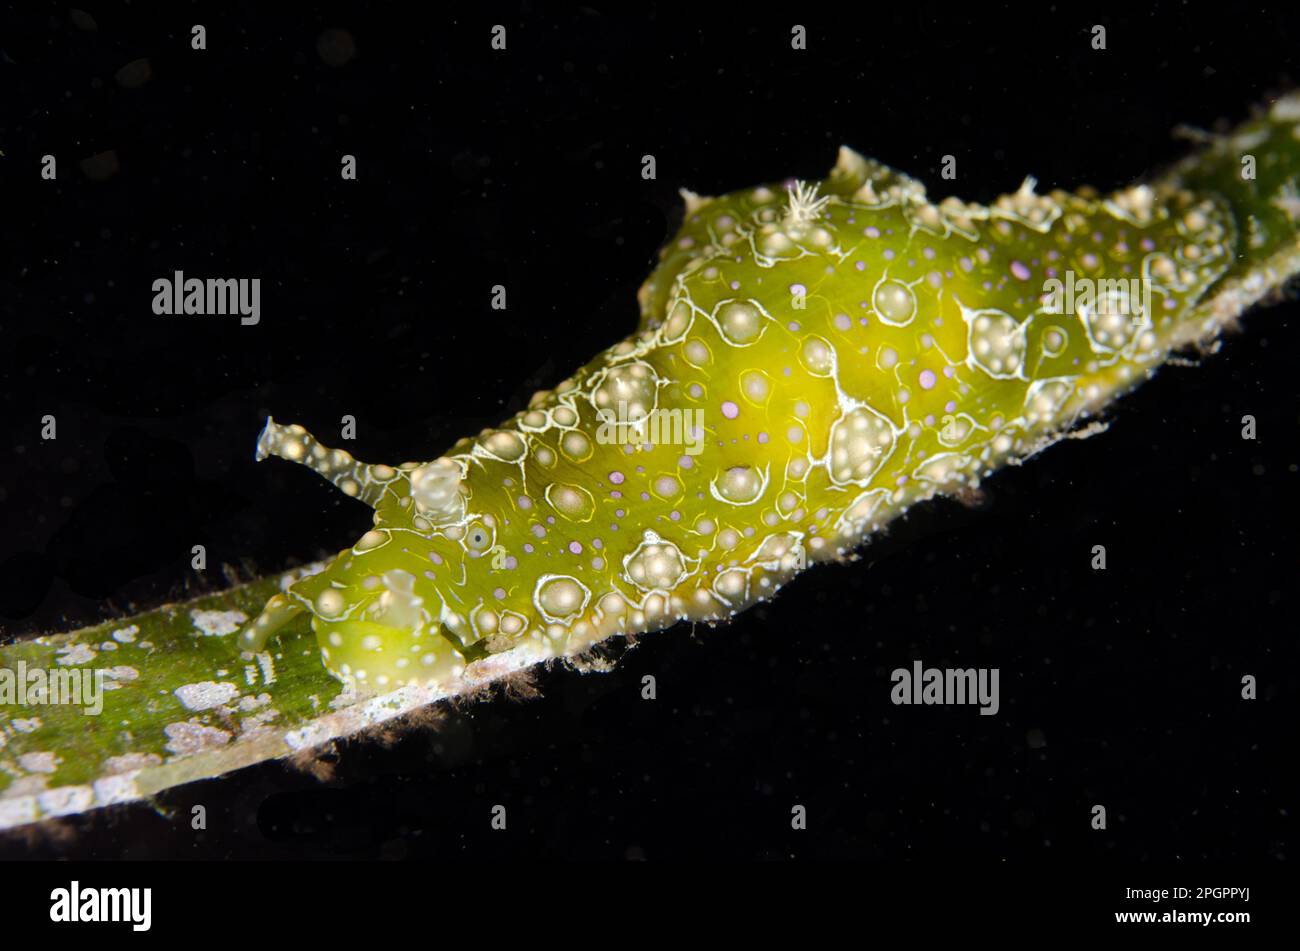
{"points": [[927, 379], [616, 477], [1020, 270], [730, 409], [575, 547]]}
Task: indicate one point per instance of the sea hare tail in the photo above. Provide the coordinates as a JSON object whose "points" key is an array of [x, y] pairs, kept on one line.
{"points": [[278, 611]]}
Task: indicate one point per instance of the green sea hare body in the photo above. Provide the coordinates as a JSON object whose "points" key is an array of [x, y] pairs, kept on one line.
{"points": [[812, 360]]}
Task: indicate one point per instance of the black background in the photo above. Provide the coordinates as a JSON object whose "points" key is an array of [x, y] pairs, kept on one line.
{"points": [[522, 168]]}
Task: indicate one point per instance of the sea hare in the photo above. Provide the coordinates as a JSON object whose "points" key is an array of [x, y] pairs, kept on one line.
{"points": [[813, 359]]}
